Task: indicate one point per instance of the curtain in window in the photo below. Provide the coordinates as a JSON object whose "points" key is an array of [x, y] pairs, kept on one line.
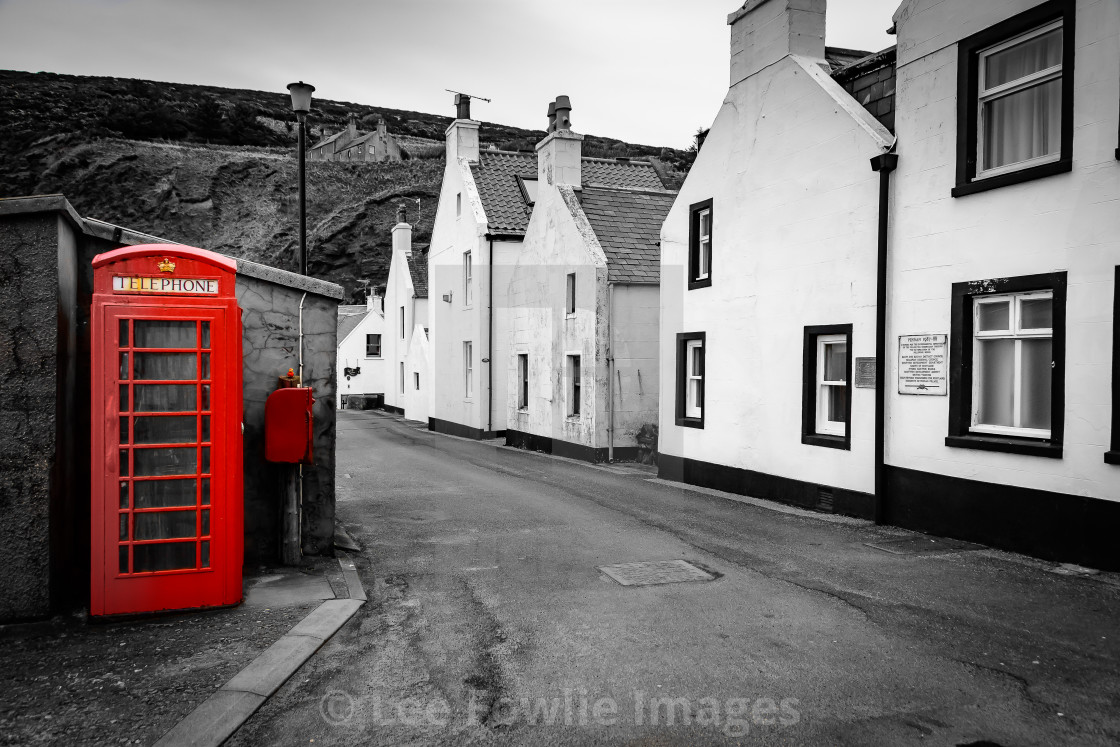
{"points": [[1025, 124]]}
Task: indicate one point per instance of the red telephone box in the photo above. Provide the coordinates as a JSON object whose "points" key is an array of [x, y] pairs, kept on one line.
{"points": [[167, 478]]}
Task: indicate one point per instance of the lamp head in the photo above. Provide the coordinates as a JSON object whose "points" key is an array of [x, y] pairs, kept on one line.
{"points": [[301, 96]]}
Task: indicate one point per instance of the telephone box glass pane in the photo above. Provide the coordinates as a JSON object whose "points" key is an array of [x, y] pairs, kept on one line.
{"points": [[123, 472], [205, 365], [205, 524], [124, 527], [124, 494], [122, 560], [205, 555], [165, 397], [206, 334], [163, 493], [179, 429], [173, 366], [124, 367], [205, 459], [168, 556], [205, 428], [206, 491], [164, 525], [205, 397], [124, 431], [149, 333], [171, 461], [122, 332], [124, 398]]}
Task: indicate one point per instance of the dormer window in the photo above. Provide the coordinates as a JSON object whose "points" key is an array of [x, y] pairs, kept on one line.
{"points": [[528, 186]]}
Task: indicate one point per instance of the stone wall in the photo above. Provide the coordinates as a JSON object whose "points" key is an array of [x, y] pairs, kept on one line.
{"points": [[270, 317], [37, 340]]}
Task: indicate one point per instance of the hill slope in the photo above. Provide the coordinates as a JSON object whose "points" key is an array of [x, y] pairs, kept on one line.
{"points": [[216, 168]]}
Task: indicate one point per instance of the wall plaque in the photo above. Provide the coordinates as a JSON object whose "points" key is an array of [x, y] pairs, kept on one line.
{"points": [[865, 373], [922, 364]]}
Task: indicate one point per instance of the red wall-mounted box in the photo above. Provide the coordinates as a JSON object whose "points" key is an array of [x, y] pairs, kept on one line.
{"points": [[288, 425]]}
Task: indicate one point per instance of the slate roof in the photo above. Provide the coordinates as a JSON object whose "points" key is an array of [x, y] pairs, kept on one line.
{"points": [[350, 317], [496, 174], [326, 140], [418, 270], [628, 225]]}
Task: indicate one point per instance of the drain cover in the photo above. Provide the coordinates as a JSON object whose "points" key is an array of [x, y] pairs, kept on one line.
{"points": [[923, 545], [656, 572]]}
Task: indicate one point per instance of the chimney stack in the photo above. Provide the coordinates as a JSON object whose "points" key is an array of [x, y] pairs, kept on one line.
{"points": [[559, 155], [352, 125], [402, 234], [462, 135], [765, 31]]}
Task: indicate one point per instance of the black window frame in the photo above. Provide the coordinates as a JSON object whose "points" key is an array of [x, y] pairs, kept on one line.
{"points": [[523, 381], [575, 386], [378, 336], [961, 366], [1112, 456], [968, 91], [683, 338], [809, 434], [694, 243]]}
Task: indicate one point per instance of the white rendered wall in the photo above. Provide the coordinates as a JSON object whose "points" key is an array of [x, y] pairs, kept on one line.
{"points": [[352, 354], [787, 163], [417, 362], [556, 243], [1067, 222], [399, 293], [634, 346]]}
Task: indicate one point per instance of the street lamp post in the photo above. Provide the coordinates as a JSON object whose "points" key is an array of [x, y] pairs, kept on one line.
{"points": [[301, 105]]}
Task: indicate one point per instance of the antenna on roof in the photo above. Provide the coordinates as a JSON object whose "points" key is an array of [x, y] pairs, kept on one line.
{"points": [[468, 95]]}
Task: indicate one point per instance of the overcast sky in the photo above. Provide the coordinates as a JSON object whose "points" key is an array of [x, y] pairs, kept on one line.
{"points": [[643, 71]]}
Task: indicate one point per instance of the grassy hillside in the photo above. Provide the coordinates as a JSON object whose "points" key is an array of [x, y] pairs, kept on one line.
{"points": [[216, 167]]}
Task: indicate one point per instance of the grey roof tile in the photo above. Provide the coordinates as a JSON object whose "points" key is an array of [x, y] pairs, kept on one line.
{"points": [[628, 225]]}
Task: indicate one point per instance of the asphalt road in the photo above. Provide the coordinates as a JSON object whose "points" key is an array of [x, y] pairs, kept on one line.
{"points": [[490, 623]]}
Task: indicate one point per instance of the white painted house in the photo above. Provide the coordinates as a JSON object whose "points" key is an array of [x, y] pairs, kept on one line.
{"points": [[484, 210], [768, 268], [405, 345], [582, 366], [1006, 242], [361, 366]]}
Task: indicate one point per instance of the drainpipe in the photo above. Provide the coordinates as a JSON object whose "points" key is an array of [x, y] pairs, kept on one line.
{"points": [[610, 373], [884, 164], [490, 341]]}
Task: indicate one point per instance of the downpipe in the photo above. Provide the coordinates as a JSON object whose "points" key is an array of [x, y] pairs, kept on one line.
{"points": [[884, 164], [610, 372]]}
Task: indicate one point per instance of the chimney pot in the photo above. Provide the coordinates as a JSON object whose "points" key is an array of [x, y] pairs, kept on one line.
{"points": [[401, 214], [563, 113], [462, 106], [551, 117]]}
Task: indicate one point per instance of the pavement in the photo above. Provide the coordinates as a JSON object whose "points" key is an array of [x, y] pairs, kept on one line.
{"points": [[171, 679], [490, 620]]}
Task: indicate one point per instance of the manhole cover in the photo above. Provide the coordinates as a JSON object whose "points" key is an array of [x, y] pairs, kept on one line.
{"points": [[656, 572], [923, 545]]}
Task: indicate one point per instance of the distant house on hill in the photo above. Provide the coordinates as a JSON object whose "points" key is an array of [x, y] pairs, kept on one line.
{"points": [[351, 145]]}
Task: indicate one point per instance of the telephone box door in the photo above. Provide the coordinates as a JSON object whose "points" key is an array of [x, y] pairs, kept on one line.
{"points": [[167, 506]]}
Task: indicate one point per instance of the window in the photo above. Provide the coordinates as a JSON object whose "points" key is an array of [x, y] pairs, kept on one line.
{"points": [[468, 271], [690, 379], [416, 380], [528, 186], [1015, 99], [1112, 456], [468, 369], [458, 204], [570, 294], [522, 381], [359, 150], [373, 346], [574, 374], [402, 377], [826, 402], [1006, 380], [402, 322], [700, 245]]}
